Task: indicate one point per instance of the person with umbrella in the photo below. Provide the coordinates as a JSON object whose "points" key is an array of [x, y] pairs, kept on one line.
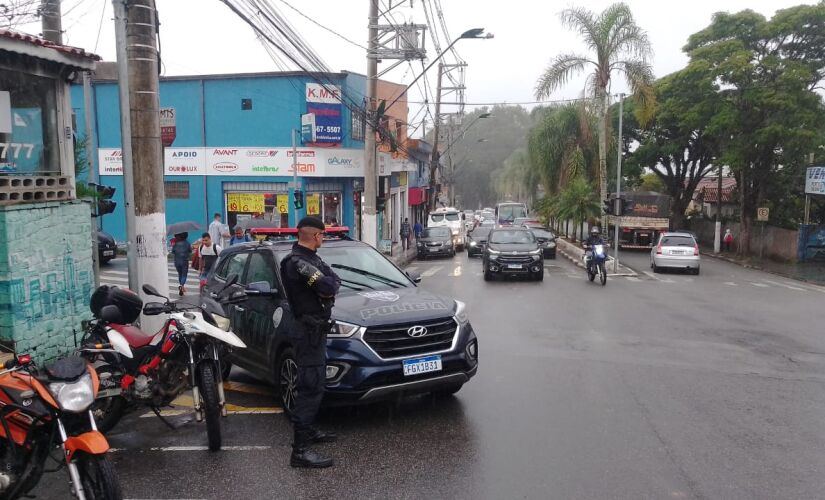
{"points": [[181, 252]]}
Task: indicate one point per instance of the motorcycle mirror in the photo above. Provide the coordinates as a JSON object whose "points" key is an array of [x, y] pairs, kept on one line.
{"points": [[150, 290], [154, 309], [111, 314], [119, 343], [231, 280]]}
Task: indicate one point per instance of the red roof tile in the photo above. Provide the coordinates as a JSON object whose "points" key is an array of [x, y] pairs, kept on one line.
{"points": [[40, 42]]}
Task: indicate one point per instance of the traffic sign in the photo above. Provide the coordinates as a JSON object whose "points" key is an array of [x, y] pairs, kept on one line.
{"points": [[762, 214]]}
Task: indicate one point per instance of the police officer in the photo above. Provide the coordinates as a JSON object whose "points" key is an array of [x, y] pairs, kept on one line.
{"points": [[311, 286]]}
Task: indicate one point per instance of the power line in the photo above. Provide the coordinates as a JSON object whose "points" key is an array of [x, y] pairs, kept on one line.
{"points": [[100, 25], [516, 103], [342, 37]]}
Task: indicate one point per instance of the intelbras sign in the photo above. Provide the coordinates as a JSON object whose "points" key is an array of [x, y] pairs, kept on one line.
{"points": [[312, 162]]}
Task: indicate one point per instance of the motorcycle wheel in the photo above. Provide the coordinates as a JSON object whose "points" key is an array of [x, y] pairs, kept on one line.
{"points": [[590, 274], [97, 475], [602, 274], [211, 408], [108, 412]]}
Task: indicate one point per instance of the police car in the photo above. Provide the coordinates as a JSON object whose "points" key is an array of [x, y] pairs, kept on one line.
{"points": [[391, 338]]}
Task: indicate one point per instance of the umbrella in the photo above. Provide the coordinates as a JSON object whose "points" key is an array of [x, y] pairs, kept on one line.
{"points": [[247, 224], [182, 227]]}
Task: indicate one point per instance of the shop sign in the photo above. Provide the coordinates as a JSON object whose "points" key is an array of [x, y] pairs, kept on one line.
{"points": [[313, 204], [324, 101], [182, 161], [168, 129], [815, 180], [110, 161], [282, 200], [245, 202]]}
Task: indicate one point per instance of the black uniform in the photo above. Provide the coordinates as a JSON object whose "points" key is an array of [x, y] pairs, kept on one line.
{"points": [[311, 286]]}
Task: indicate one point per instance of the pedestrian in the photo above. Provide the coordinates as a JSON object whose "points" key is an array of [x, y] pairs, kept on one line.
{"points": [[418, 229], [728, 240], [311, 286], [239, 237], [218, 231], [405, 234], [208, 252], [181, 252]]}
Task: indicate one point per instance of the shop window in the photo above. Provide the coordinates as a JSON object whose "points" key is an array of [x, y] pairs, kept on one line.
{"points": [[358, 126], [327, 206], [28, 124], [176, 190], [272, 207]]}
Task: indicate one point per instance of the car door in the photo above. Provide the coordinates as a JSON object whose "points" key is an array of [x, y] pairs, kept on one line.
{"points": [[261, 310], [235, 263]]}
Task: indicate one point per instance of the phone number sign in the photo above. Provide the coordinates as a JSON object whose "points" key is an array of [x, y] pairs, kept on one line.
{"points": [[324, 101]]}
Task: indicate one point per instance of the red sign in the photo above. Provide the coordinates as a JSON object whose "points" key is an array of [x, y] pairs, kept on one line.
{"points": [[168, 130]]}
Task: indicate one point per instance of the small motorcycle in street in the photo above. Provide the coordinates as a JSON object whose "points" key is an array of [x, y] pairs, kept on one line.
{"points": [[595, 260], [184, 354], [49, 409]]}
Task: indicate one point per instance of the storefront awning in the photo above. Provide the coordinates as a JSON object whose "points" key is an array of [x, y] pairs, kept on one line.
{"points": [[417, 195]]}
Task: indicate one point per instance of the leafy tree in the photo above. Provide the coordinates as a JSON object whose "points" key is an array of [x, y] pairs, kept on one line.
{"points": [[768, 116], [578, 202], [651, 182], [618, 45]]}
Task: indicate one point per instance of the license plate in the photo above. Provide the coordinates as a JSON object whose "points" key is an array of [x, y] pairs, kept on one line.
{"points": [[434, 249], [513, 266], [107, 253], [422, 365]]}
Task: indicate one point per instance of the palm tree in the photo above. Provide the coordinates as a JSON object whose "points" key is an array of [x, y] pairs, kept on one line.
{"points": [[578, 202], [617, 44]]}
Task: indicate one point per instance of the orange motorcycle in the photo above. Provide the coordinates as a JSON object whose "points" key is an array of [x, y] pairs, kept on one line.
{"points": [[45, 410]]}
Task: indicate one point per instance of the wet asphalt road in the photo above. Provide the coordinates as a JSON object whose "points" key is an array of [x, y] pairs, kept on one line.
{"points": [[655, 386]]}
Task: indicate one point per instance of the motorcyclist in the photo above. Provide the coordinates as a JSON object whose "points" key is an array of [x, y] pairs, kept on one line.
{"points": [[311, 287], [594, 239]]}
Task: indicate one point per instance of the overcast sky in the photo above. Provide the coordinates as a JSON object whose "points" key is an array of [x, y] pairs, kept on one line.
{"points": [[204, 36]]}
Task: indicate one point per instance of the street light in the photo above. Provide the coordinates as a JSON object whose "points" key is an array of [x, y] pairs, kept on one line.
{"points": [[461, 135]]}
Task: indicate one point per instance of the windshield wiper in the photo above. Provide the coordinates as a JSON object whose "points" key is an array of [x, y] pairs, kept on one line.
{"points": [[363, 272], [350, 283]]}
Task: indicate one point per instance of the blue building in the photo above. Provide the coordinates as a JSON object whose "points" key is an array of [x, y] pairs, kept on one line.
{"points": [[230, 152]]}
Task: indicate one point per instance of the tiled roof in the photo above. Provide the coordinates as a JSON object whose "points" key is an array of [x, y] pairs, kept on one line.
{"points": [[40, 42]]}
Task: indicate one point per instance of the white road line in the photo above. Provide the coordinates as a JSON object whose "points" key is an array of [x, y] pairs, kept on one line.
{"points": [[456, 272], [412, 268], [791, 287], [631, 278], [760, 285], [730, 283], [195, 448], [431, 271]]}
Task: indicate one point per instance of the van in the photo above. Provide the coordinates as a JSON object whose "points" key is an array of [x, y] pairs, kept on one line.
{"points": [[452, 218]]}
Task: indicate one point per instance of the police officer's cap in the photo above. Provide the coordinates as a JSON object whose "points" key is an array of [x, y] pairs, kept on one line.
{"points": [[310, 221]]}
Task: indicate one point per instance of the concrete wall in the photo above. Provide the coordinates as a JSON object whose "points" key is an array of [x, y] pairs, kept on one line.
{"points": [[46, 276], [776, 243]]}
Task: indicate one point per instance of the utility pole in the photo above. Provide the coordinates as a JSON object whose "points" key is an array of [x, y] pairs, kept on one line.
{"points": [[142, 66], [50, 19], [436, 125], [618, 207], [369, 219], [717, 237], [92, 166]]}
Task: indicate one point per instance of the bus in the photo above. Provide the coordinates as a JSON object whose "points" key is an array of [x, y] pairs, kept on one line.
{"points": [[508, 211]]}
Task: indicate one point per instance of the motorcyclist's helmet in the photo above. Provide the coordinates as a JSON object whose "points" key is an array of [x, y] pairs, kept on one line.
{"points": [[595, 231]]}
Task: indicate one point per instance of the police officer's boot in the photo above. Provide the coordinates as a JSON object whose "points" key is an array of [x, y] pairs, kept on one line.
{"points": [[319, 436], [303, 456]]}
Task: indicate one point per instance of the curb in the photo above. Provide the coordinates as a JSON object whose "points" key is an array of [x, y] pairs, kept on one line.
{"points": [[760, 268]]}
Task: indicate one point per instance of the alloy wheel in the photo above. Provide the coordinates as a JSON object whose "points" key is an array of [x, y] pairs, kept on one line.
{"points": [[288, 381]]}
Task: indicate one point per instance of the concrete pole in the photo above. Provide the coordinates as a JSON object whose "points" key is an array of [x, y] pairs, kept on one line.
{"points": [[436, 125], [717, 235], [144, 103], [295, 174], [50, 19], [369, 218], [119, 9], [92, 165], [618, 217]]}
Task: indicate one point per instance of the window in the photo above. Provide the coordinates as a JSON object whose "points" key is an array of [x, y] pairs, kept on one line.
{"points": [[233, 265], [29, 143], [358, 126], [176, 190], [261, 268]]}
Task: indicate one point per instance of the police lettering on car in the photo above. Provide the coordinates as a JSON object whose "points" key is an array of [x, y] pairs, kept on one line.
{"points": [[311, 286]]}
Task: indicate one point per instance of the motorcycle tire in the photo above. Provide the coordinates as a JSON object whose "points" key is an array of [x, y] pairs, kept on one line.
{"points": [[591, 275], [208, 388], [108, 412], [602, 274], [97, 475]]}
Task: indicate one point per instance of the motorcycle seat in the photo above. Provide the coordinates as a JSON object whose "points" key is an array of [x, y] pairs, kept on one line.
{"points": [[135, 336]]}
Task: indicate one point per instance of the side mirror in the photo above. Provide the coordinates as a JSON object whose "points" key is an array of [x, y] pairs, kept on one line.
{"points": [[261, 288], [154, 309], [235, 297], [119, 343], [414, 276], [150, 290], [111, 314]]}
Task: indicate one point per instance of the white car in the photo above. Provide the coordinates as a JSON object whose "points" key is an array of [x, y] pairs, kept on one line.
{"points": [[675, 250], [452, 218]]}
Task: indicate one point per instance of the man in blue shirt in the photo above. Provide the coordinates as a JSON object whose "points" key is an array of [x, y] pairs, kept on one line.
{"points": [[239, 237]]}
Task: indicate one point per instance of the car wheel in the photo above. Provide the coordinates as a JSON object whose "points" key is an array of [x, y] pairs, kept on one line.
{"points": [[539, 276], [654, 267], [447, 391], [487, 275], [286, 379], [696, 271]]}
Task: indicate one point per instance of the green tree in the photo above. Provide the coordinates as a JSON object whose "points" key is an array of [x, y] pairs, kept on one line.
{"points": [[617, 45], [651, 182], [578, 202], [765, 74]]}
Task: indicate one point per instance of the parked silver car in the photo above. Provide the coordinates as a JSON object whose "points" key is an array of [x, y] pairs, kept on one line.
{"points": [[675, 250]]}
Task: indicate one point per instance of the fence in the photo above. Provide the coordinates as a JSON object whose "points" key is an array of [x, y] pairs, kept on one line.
{"points": [[774, 242]]}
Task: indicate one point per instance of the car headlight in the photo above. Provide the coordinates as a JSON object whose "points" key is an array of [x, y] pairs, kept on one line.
{"points": [[552, 244], [461, 313], [223, 323], [74, 397], [535, 252], [455, 232], [420, 243], [343, 330], [472, 243]]}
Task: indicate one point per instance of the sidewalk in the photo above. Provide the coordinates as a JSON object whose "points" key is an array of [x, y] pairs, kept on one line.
{"points": [[811, 272], [574, 253], [400, 258]]}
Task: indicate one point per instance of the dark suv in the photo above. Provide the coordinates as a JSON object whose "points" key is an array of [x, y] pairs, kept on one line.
{"points": [[390, 336], [512, 251]]}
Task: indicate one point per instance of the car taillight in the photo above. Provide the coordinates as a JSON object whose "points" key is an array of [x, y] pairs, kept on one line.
{"points": [[659, 249], [695, 249]]}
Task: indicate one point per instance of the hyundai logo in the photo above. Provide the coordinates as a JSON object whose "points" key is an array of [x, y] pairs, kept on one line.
{"points": [[417, 331]]}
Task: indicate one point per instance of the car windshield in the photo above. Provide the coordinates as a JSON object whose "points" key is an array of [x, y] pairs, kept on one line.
{"points": [[506, 237], [361, 267], [480, 232], [511, 212], [436, 217], [436, 232], [452, 217], [677, 241], [542, 233]]}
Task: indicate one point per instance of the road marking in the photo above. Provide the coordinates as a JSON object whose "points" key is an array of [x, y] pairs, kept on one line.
{"points": [[631, 278], [193, 448], [730, 283], [230, 409], [784, 285], [663, 280], [760, 285], [456, 271], [431, 271], [412, 268], [248, 388]]}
